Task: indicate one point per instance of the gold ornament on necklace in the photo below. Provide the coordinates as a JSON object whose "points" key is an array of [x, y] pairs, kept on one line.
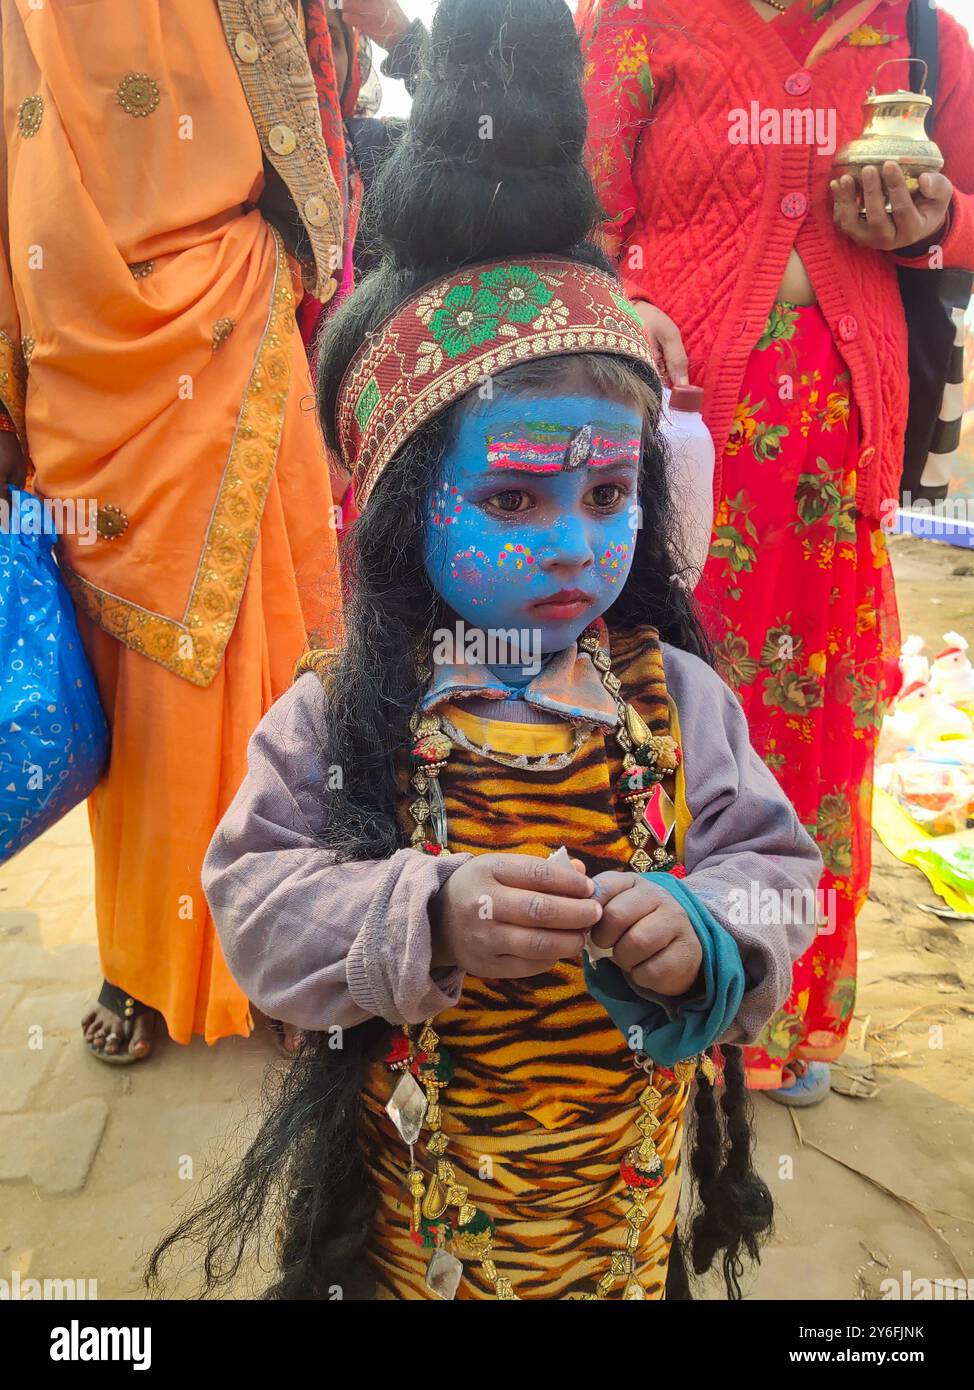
{"points": [[443, 1219], [647, 759]]}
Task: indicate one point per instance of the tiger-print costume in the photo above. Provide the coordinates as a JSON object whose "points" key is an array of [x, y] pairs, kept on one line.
{"points": [[542, 1106]]}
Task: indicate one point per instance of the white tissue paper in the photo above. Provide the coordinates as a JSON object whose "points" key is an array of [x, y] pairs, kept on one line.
{"points": [[594, 953]]}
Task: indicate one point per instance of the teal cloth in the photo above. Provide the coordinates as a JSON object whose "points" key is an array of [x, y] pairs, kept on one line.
{"points": [[686, 1027]]}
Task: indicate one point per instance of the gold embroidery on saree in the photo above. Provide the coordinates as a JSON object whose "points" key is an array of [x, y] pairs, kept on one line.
{"points": [[13, 384], [275, 73], [193, 648]]}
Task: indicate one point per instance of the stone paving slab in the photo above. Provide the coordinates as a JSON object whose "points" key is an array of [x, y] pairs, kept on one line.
{"points": [[22, 1069], [8, 999], [26, 963], [53, 1151], [58, 1015], [22, 883]]}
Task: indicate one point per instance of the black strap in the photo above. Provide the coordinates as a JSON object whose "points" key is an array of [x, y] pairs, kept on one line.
{"points": [[121, 1004], [923, 32]]}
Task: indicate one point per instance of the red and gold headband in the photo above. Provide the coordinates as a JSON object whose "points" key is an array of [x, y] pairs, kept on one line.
{"points": [[462, 329]]}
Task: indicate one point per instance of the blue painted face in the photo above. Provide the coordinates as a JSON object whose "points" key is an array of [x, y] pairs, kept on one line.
{"points": [[532, 524]]}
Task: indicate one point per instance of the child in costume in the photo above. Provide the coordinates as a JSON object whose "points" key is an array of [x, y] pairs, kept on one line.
{"points": [[476, 1111]]}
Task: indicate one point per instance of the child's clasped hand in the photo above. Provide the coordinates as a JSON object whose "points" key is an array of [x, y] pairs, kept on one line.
{"points": [[651, 937], [510, 916]]}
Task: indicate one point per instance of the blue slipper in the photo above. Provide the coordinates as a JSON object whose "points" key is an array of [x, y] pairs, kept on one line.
{"points": [[810, 1088]]}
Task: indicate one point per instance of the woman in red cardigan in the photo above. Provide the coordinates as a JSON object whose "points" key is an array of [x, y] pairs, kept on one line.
{"points": [[713, 132]]}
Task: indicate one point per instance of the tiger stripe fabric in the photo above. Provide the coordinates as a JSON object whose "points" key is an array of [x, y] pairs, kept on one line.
{"points": [[542, 1105]]}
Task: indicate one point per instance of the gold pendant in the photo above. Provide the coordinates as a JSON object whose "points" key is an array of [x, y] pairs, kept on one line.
{"points": [[436, 1201], [416, 1185], [637, 728]]}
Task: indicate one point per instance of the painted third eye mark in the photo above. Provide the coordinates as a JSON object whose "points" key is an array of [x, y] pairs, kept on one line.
{"points": [[543, 447], [447, 505], [615, 556]]}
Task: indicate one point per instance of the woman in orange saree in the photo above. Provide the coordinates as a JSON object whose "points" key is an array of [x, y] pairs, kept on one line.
{"points": [[167, 198]]}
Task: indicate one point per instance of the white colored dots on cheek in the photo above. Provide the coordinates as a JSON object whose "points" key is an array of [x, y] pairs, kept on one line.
{"points": [[446, 506]]}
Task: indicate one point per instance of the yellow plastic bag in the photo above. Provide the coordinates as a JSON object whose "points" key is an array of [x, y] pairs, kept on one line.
{"points": [[946, 860]]}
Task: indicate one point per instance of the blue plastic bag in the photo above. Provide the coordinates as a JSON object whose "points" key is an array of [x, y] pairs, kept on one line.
{"points": [[54, 738]]}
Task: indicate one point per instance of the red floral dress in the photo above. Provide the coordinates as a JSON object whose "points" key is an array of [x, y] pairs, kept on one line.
{"points": [[797, 595], [798, 591]]}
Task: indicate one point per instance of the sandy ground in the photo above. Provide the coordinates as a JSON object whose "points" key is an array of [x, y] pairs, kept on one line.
{"points": [[95, 1161]]}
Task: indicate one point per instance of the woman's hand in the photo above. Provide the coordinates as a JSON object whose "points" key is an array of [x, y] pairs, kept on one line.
{"points": [[664, 339], [508, 916], [13, 466], [382, 21], [912, 220], [651, 937]]}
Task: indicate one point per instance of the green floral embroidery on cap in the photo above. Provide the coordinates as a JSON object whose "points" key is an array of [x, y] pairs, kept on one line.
{"points": [[520, 292], [367, 402], [627, 308], [468, 319]]}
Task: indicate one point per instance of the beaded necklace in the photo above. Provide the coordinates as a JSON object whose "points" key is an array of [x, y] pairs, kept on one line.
{"points": [[442, 1216], [647, 759]]}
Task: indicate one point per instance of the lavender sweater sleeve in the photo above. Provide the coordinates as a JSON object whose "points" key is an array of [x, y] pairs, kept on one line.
{"points": [[310, 942], [746, 854], [318, 944]]}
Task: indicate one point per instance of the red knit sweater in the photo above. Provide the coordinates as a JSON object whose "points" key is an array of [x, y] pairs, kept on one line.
{"points": [[707, 225]]}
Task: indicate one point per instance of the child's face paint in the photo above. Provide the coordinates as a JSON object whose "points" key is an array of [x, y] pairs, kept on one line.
{"points": [[532, 523]]}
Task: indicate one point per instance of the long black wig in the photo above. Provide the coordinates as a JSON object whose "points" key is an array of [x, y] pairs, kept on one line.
{"points": [[491, 165]]}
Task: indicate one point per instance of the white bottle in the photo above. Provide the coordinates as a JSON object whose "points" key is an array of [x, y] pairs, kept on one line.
{"points": [[692, 459]]}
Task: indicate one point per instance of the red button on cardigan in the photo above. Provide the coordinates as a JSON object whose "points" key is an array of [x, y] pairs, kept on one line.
{"points": [[798, 84], [704, 62], [848, 327], [794, 205]]}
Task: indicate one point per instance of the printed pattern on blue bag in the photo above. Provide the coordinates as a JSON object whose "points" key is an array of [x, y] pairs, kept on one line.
{"points": [[53, 733]]}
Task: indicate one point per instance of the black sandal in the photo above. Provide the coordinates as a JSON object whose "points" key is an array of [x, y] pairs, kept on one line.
{"points": [[124, 1007]]}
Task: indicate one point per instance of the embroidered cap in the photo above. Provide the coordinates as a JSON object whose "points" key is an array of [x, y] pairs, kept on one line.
{"points": [[461, 329]]}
